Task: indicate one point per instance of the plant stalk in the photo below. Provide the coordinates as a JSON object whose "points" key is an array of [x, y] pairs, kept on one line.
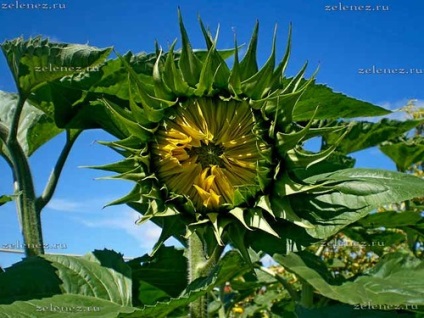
{"points": [[51, 185], [196, 259], [200, 266], [24, 185]]}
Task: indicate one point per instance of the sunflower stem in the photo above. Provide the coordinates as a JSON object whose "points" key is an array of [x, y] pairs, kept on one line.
{"points": [[200, 265], [29, 219], [196, 259]]}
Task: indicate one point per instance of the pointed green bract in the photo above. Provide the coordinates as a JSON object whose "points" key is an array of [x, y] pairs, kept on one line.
{"points": [[249, 65], [189, 64]]}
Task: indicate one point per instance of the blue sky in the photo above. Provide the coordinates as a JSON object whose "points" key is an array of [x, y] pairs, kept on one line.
{"points": [[340, 41]]}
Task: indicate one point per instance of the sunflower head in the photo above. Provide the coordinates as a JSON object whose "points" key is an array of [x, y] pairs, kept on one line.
{"points": [[209, 151], [212, 148]]}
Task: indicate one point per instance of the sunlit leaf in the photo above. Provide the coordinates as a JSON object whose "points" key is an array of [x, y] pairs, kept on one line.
{"points": [[35, 127], [396, 280], [38, 61]]}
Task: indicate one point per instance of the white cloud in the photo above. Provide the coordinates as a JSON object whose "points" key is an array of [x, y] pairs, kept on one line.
{"points": [[116, 217], [72, 205], [146, 234], [64, 205]]}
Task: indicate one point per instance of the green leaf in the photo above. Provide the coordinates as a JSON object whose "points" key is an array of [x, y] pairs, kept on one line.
{"points": [[66, 305], [101, 274], [19, 282], [391, 219], [396, 280], [112, 77], [38, 61], [255, 219], [334, 162], [35, 127], [363, 135], [162, 275], [406, 153], [73, 100], [332, 105], [291, 237], [375, 240], [6, 198], [231, 265], [353, 193]]}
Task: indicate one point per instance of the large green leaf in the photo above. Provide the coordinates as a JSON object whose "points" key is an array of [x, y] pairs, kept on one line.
{"points": [[392, 219], [65, 306], [406, 153], [74, 100], [162, 276], [101, 274], [364, 135], [38, 61], [349, 195], [376, 240], [292, 237], [35, 127], [332, 105], [369, 230], [230, 266], [396, 280]]}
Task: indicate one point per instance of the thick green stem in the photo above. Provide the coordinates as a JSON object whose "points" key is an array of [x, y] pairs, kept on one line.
{"points": [[29, 218], [196, 259], [14, 125], [200, 266], [25, 202]]}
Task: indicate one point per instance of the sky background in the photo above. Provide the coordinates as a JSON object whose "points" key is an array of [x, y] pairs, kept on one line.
{"points": [[339, 42]]}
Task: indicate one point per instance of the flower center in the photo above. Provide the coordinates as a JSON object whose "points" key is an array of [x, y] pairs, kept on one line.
{"points": [[208, 154]]}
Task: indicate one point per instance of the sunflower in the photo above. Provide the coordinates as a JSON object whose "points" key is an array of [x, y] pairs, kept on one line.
{"points": [[210, 147], [207, 150]]}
